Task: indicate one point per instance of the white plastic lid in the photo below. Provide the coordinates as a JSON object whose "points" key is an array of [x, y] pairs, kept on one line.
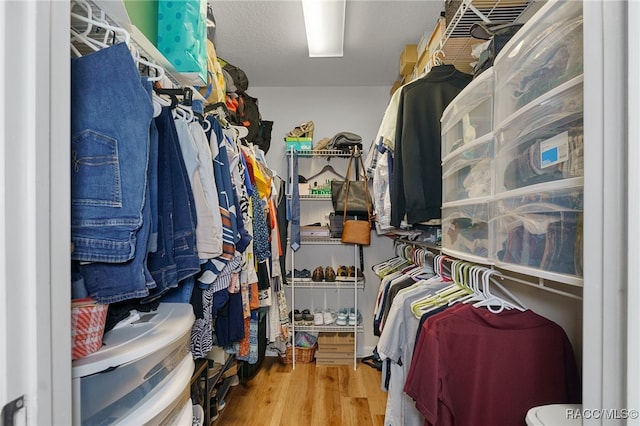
{"points": [[152, 332], [554, 415]]}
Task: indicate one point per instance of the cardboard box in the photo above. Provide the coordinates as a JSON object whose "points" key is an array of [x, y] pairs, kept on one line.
{"points": [[299, 144], [408, 58], [315, 231], [336, 337], [324, 360], [423, 44], [396, 86], [341, 348], [422, 63], [436, 38]]}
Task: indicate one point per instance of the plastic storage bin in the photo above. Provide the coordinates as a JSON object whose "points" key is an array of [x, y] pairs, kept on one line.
{"points": [[546, 52], [166, 404], [468, 174], [544, 143], [540, 233], [465, 231], [469, 116], [135, 360]]}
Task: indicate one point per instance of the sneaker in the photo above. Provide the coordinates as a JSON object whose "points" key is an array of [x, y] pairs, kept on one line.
{"points": [[318, 317], [354, 317], [329, 317], [307, 317], [329, 274], [342, 317], [318, 274], [341, 275], [296, 317], [305, 275]]}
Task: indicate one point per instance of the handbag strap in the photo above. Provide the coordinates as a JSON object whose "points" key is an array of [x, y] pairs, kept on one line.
{"points": [[355, 152]]}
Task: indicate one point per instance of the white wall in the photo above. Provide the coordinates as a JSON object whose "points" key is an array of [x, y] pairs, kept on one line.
{"points": [[332, 109]]}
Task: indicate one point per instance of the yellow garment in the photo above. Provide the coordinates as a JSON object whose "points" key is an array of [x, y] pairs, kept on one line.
{"points": [[263, 180], [216, 90]]}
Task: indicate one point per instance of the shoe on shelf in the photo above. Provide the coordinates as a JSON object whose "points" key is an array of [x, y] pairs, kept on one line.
{"points": [[342, 317], [305, 275], [341, 275], [318, 274], [329, 274], [321, 144], [351, 273], [354, 317], [329, 317], [297, 317], [318, 317], [307, 317]]}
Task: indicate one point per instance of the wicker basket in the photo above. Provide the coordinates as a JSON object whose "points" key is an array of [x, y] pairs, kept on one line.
{"points": [[303, 355]]}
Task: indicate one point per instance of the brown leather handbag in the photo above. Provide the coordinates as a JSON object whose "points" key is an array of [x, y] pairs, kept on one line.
{"points": [[356, 231]]}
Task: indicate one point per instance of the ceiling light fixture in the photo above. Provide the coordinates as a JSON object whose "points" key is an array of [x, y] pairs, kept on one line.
{"points": [[324, 24]]}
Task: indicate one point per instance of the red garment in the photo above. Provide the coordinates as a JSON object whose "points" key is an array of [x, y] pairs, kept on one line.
{"points": [[473, 367], [249, 164]]}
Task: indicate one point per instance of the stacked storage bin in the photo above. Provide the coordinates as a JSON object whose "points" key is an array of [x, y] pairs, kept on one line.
{"points": [[467, 157], [142, 373], [536, 215]]}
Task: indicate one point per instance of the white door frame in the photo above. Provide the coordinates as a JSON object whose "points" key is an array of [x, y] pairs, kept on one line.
{"points": [[612, 213], [34, 209]]}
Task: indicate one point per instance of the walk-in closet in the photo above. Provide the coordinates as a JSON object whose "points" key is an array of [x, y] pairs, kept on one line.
{"points": [[206, 221]]}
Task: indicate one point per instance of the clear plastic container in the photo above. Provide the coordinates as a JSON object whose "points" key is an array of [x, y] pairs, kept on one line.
{"points": [[465, 230], [468, 174], [544, 143], [135, 359], [470, 115], [546, 52], [540, 231], [560, 105]]}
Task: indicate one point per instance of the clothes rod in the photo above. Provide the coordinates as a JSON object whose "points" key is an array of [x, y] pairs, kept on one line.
{"points": [[540, 284]]}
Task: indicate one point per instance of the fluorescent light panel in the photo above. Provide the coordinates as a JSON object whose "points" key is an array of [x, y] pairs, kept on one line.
{"points": [[324, 24]]}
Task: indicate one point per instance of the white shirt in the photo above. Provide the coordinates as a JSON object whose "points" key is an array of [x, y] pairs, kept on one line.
{"points": [[396, 344]]}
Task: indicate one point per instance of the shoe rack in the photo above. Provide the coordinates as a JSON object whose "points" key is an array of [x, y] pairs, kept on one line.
{"points": [[296, 284]]}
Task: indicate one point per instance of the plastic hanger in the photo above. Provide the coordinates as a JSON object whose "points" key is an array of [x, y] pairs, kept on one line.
{"points": [[109, 35], [159, 102], [110, 31], [326, 168], [158, 70], [493, 300], [477, 295]]}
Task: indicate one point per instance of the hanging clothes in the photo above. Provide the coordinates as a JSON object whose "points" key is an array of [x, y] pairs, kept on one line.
{"points": [[395, 347], [520, 360], [416, 189]]}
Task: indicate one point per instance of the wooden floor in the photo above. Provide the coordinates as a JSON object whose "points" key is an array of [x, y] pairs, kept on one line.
{"points": [[310, 395]]}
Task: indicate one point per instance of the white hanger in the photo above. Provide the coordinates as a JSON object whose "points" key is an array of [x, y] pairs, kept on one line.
{"points": [[491, 299], [109, 30], [159, 71], [183, 112], [206, 125], [477, 295], [109, 33]]}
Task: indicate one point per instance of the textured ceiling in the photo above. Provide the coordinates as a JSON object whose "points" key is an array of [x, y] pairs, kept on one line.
{"points": [[267, 40]]}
